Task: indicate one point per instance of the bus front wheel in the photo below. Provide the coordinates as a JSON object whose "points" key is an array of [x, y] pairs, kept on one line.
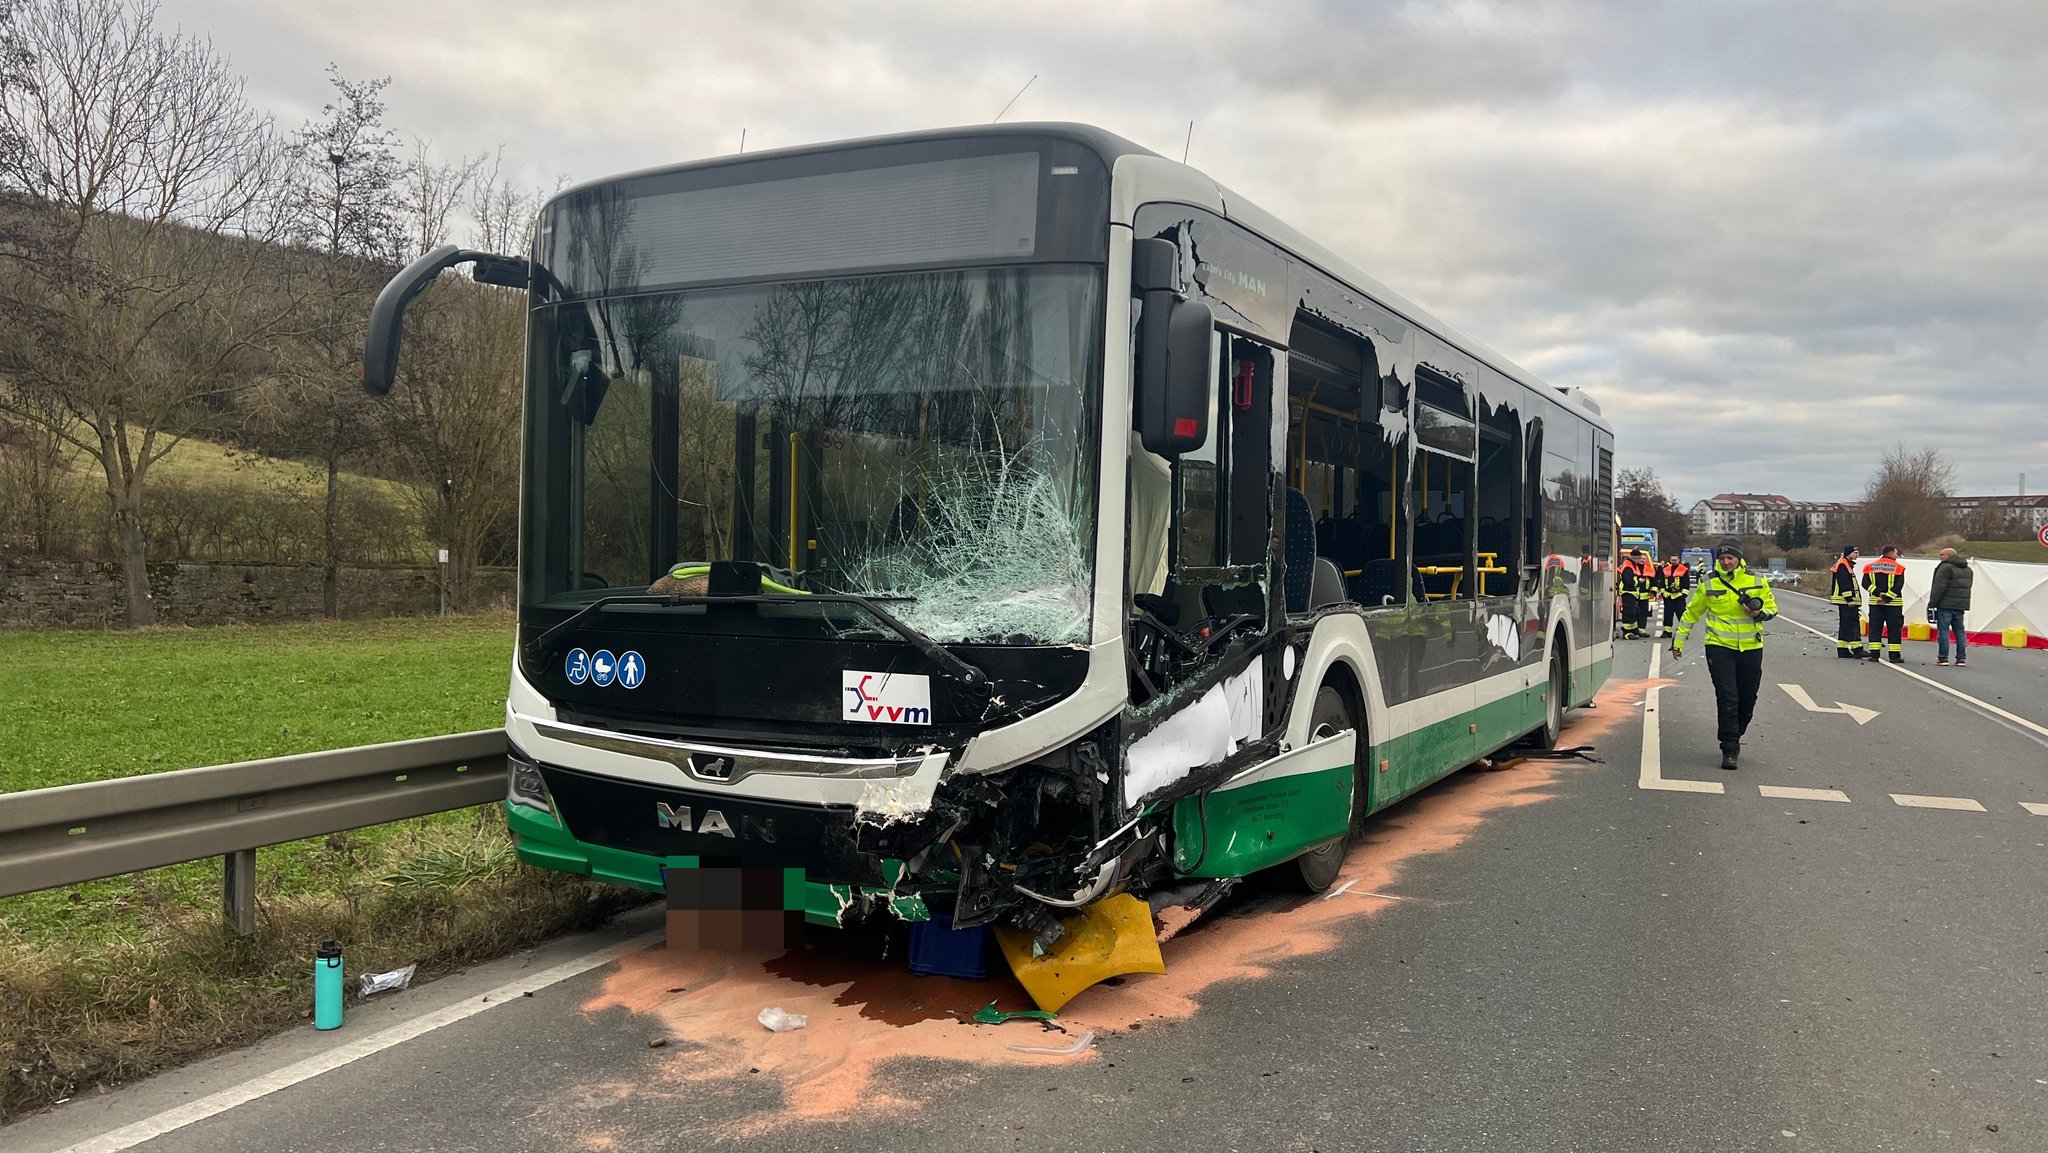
{"points": [[1317, 869]]}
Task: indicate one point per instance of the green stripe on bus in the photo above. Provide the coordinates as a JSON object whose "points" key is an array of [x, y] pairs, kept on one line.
{"points": [[1239, 832], [543, 842]]}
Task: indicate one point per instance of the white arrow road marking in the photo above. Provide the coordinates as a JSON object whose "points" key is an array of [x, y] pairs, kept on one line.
{"points": [[1960, 804], [1994, 710], [1862, 716]]}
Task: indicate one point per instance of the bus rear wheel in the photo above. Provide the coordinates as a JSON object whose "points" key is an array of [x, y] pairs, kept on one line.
{"points": [[1317, 869]]}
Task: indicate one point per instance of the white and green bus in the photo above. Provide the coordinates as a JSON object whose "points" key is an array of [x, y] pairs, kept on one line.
{"points": [[986, 524]]}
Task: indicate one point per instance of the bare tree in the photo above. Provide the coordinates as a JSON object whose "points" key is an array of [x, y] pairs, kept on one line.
{"points": [[34, 460], [429, 193], [147, 179], [1640, 499], [345, 201], [457, 412], [1906, 501]]}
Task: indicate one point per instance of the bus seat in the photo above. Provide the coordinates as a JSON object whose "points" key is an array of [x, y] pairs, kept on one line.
{"points": [[1497, 537], [1378, 580], [1300, 558], [1328, 587], [1347, 544]]}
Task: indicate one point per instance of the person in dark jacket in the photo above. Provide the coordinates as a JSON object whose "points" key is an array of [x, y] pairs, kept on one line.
{"points": [[1947, 599], [1848, 605]]}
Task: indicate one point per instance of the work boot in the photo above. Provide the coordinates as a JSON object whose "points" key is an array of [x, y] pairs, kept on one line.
{"points": [[1728, 757], [1897, 659]]}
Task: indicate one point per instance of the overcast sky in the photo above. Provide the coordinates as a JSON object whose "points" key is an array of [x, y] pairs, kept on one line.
{"points": [[1773, 238]]}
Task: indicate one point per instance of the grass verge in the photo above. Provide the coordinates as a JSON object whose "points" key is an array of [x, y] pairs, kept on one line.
{"points": [[110, 980], [441, 893]]}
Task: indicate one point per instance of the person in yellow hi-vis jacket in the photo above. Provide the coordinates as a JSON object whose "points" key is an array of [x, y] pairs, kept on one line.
{"points": [[1735, 604]]}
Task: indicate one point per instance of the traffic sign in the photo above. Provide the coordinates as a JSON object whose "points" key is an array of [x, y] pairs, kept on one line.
{"points": [[2044, 535]]}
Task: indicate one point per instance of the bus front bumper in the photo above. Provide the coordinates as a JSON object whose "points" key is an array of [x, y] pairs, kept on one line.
{"points": [[542, 841]]}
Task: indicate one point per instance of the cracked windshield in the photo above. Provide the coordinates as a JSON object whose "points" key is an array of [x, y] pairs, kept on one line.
{"points": [[920, 437]]}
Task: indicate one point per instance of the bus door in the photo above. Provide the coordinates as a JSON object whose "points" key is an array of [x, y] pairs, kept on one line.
{"points": [[1222, 584]]}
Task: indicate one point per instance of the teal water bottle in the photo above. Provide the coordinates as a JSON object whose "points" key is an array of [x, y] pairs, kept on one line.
{"points": [[327, 986]]}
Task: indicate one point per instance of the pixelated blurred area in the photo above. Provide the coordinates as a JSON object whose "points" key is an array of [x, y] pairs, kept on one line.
{"points": [[728, 908]]}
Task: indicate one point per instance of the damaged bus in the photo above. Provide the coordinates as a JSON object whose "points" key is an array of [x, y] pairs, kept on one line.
{"points": [[1010, 527]]}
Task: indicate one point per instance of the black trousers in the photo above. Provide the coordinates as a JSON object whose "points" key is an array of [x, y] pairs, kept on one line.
{"points": [[1888, 621], [1736, 678], [1674, 607], [1848, 628], [1635, 614]]}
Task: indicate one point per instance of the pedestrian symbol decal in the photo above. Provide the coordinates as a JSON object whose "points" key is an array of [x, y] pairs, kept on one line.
{"points": [[603, 667], [577, 666], [632, 670]]}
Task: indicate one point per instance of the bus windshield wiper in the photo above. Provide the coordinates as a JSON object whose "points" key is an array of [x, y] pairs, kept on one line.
{"points": [[920, 640], [544, 646]]}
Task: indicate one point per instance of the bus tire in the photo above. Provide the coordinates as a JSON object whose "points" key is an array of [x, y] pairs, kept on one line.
{"points": [[1553, 709], [1317, 869]]}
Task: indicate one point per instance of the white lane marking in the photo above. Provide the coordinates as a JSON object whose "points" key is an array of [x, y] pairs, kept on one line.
{"points": [[1959, 804], [1994, 710], [1795, 793], [1651, 775], [1862, 716], [2035, 807], [1341, 889], [170, 1120]]}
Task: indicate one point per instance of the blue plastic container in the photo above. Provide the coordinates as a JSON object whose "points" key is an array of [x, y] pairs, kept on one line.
{"points": [[327, 988], [937, 949]]}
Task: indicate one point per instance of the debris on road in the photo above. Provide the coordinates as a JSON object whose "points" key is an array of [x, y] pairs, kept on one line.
{"points": [[1079, 1044], [775, 1020], [370, 983], [657, 1042], [990, 1015]]}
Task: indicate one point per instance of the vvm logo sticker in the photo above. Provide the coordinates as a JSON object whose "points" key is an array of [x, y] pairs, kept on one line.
{"points": [[885, 698]]}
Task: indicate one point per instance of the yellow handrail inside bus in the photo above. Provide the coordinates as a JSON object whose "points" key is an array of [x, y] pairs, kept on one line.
{"points": [[793, 462]]}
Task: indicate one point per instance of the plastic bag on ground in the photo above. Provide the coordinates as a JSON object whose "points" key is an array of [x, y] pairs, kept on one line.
{"points": [[370, 983], [775, 1020]]}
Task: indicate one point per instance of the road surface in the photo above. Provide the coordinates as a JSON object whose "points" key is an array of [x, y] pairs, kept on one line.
{"points": [[1842, 946]]}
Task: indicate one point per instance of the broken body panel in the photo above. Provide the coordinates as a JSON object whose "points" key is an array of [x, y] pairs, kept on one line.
{"points": [[1368, 563]]}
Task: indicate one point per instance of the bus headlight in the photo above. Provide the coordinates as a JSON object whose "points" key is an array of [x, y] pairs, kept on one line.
{"points": [[524, 787]]}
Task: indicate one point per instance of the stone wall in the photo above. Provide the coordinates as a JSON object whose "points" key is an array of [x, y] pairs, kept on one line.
{"points": [[40, 594]]}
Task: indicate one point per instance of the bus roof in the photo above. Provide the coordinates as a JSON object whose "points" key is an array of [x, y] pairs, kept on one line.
{"points": [[1144, 176]]}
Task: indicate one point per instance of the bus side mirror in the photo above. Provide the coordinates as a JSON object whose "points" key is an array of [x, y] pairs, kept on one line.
{"points": [[1173, 385], [387, 315]]}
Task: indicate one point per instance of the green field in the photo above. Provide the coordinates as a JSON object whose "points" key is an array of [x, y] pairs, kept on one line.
{"points": [[2024, 551], [85, 706], [111, 979]]}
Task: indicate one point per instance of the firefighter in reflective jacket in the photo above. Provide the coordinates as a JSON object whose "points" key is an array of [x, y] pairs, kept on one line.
{"points": [[1735, 604], [1675, 582], [1885, 581], [1848, 605], [1635, 581]]}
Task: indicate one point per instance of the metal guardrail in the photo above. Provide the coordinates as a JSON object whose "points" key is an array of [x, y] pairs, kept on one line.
{"points": [[72, 833]]}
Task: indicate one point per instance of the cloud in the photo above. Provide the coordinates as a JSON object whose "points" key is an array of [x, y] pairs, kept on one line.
{"points": [[1773, 238]]}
